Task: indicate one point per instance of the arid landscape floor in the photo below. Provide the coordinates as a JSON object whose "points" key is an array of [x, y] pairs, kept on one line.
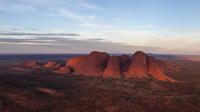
{"points": [[43, 91]]}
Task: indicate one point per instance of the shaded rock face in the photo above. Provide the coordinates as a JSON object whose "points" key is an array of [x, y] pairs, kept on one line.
{"points": [[96, 63], [77, 63], [124, 63]]}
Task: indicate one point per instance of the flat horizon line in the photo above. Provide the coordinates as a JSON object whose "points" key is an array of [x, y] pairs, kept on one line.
{"points": [[89, 52]]}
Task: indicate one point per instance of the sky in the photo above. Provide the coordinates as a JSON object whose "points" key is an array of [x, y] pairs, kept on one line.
{"points": [[114, 26]]}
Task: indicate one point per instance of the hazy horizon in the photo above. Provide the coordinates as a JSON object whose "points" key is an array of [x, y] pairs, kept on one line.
{"points": [[81, 26]]}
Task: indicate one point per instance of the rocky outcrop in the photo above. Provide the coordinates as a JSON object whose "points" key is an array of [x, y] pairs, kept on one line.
{"points": [[31, 64], [52, 65], [64, 70], [155, 70], [169, 67]]}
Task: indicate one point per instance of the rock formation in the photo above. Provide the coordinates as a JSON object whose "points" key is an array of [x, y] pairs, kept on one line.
{"points": [[139, 65], [52, 65], [64, 70], [31, 64], [155, 70], [168, 67], [101, 64]]}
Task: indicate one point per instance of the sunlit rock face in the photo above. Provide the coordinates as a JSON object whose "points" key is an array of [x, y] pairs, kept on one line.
{"points": [[64, 70], [138, 65], [155, 70], [113, 67], [78, 64], [94, 64], [52, 65]]}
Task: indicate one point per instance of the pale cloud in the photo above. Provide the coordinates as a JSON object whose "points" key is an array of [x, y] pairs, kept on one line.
{"points": [[178, 43], [128, 36], [66, 45], [39, 34], [84, 4], [72, 15], [83, 18], [17, 7]]}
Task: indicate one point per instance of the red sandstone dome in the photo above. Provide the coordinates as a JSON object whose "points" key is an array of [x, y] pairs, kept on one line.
{"points": [[94, 64], [113, 67], [138, 65]]}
